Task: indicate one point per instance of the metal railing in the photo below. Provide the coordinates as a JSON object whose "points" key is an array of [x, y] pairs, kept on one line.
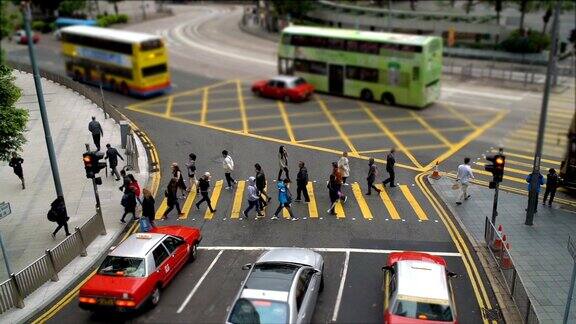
{"points": [[505, 264], [46, 268]]}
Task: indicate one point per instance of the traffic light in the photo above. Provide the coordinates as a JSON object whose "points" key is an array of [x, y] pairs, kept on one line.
{"points": [[92, 164], [496, 168]]}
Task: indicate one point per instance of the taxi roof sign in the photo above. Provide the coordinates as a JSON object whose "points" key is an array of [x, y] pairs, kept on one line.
{"points": [[145, 236]]}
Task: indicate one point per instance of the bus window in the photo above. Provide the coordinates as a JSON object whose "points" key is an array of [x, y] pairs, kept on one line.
{"points": [[286, 39], [369, 47], [301, 66], [317, 67], [336, 44], [352, 46], [150, 45], [154, 69]]}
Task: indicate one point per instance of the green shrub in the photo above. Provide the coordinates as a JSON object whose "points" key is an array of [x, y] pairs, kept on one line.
{"points": [[122, 19], [38, 25], [105, 21], [526, 42]]}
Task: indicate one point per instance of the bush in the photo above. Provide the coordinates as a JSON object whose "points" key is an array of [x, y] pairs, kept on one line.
{"points": [[105, 21], [526, 42], [38, 25]]}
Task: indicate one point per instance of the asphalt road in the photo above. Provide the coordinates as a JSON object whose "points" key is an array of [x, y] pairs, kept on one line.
{"points": [[211, 109]]}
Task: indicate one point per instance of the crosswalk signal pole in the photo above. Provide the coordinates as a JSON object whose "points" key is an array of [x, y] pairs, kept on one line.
{"points": [[497, 170]]}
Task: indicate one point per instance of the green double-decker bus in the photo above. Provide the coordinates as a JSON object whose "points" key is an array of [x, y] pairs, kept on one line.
{"points": [[395, 69]]}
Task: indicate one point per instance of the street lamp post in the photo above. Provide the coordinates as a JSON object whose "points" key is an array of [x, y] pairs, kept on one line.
{"points": [[41, 103], [533, 194]]}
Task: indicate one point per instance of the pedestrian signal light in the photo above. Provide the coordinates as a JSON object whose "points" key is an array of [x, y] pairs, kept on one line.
{"points": [[92, 164], [496, 168]]}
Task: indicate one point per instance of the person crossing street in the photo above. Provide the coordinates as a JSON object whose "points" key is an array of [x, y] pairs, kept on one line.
{"points": [[177, 174], [253, 197], [284, 199], [338, 181], [333, 193], [371, 178], [204, 185], [171, 194], [228, 165], [301, 183], [344, 166], [261, 186], [191, 167], [463, 177], [96, 129], [390, 161], [283, 163]]}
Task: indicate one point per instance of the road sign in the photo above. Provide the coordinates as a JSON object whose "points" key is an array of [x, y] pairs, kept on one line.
{"points": [[572, 248], [5, 209]]}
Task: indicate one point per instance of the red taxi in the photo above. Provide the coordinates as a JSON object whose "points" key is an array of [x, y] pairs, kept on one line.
{"points": [[21, 38], [283, 87], [417, 290], [135, 272]]}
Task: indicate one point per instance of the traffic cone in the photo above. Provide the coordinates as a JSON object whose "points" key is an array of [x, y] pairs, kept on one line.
{"points": [[506, 262], [497, 244], [436, 174]]}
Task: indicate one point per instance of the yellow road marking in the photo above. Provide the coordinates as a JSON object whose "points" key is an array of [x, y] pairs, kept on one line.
{"points": [[242, 107], [457, 113], [533, 124], [312, 208], [214, 198], [388, 203], [426, 147], [526, 165], [204, 106], [237, 205], [189, 201], [361, 201], [339, 210], [527, 157], [388, 133], [431, 129], [469, 138], [513, 170], [413, 202], [169, 104], [285, 213], [160, 211], [556, 139], [218, 110], [521, 144], [334, 138], [420, 131], [337, 127], [286, 121]]}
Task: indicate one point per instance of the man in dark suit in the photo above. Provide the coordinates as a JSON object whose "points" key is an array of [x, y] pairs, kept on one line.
{"points": [[112, 156], [390, 161]]}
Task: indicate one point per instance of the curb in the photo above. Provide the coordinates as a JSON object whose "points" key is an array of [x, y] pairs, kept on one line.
{"points": [[262, 35]]}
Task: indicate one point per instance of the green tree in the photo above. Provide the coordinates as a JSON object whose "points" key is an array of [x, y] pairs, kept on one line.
{"points": [[115, 3], [498, 5], [296, 9], [69, 7], [12, 119]]}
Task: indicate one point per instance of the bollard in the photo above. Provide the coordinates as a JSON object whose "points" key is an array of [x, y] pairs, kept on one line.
{"points": [[53, 264], [19, 293], [124, 130], [83, 253]]}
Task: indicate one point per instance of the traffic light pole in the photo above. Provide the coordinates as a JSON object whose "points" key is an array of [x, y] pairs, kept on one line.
{"points": [[533, 194], [495, 204], [96, 195]]}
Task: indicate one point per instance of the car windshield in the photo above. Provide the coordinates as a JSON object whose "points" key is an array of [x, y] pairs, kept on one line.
{"points": [[122, 266], [423, 310], [299, 81], [256, 311]]}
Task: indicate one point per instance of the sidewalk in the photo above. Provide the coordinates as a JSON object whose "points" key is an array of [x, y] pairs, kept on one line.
{"points": [[538, 252], [27, 232]]}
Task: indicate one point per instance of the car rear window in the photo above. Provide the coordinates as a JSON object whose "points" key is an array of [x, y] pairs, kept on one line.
{"points": [[122, 266], [249, 311], [272, 276], [423, 310]]}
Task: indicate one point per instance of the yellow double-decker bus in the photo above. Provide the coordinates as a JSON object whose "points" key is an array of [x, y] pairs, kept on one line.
{"points": [[124, 61]]}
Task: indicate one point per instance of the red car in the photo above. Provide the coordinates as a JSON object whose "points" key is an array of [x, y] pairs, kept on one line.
{"points": [[135, 272], [417, 290], [287, 88], [21, 38]]}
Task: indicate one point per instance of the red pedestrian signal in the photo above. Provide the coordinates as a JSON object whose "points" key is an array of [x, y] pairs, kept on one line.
{"points": [[91, 164], [497, 167]]}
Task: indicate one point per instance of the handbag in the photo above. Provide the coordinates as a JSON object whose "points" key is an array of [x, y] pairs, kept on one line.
{"points": [[145, 225]]}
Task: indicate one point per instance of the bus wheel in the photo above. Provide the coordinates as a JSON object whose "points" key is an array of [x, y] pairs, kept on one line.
{"points": [[124, 88], [366, 95], [388, 99], [77, 76]]}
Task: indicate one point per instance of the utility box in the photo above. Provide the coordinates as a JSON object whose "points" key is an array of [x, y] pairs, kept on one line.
{"points": [[124, 131]]}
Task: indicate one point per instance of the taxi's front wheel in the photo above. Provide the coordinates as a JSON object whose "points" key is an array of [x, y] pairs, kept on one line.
{"points": [[155, 297], [193, 252]]}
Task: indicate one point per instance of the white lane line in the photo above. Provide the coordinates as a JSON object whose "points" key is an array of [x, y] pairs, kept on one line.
{"points": [[338, 250], [341, 288], [187, 300]]}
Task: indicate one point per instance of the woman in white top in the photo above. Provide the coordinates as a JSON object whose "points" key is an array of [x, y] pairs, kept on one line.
{"points": [[283, 163], [344, 167]]}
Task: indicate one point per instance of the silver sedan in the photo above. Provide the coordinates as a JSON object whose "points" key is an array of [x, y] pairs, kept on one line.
{"points": [[281, 287]]}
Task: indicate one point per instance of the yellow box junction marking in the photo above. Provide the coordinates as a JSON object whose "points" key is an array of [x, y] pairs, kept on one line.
{"points": [[361, 201], [242, 107], [413, 203], [204, 106], [189, 201], [237, 204], [339, 210], [160, 211], [286, 120], [388, 203], [214, 198], [337, 126], [312, 208], [169, 104], [431, 129]]}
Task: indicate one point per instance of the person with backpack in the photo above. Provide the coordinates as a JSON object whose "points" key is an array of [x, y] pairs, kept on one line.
{"points": [[171, 194], [284, 199], [191, 167], [16, 165], [204, 185], [135, 187], [261, 186], [58, 214], [552, 181], [338, 181], [129, 203], [253, 197]]}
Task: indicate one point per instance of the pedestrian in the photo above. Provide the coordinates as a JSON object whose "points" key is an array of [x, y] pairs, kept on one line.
{"points": [[253, 197], [228, 165], [135, 187], [191, 166], [96, 129], [112, 156], [60, 216], [261, 186], [302, 182], [338, 181], [463, 177], [204, 184], [148, 206], [125, 181], [390, 161], [129, 203], [344, 166], [284, 199], [171, 194], [283, 163], [333, 193], [177, 174], [16, 165], [371, 178], [552, 181]]}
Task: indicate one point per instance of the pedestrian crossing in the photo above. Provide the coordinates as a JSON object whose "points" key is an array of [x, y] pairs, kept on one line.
{"points": [[386, 205]]}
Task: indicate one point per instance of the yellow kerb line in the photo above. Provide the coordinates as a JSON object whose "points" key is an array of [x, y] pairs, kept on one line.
{"points": [[286, 121], [390, 135], [214, 198], [431, 129], [237, 204], [388, 203], [242, 107], [334, 122], [189, 201], [361, 201], [160, 211], [312, 208], [413, 203], [204, 106], [169, 105]]}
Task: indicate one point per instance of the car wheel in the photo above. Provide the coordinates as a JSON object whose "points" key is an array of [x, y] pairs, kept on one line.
{"points": [[388, 99], [286, 98], [193, 253], [155, 297], [366, 95]]}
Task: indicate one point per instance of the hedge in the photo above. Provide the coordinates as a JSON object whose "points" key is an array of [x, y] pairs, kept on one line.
{"points": [[526, 42], [105, 21]]}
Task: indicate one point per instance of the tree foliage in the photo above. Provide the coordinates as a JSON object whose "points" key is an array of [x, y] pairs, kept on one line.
{"points": [[296, 9], [8, 20], [115, 2], [12, 119], [69, 7]]}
